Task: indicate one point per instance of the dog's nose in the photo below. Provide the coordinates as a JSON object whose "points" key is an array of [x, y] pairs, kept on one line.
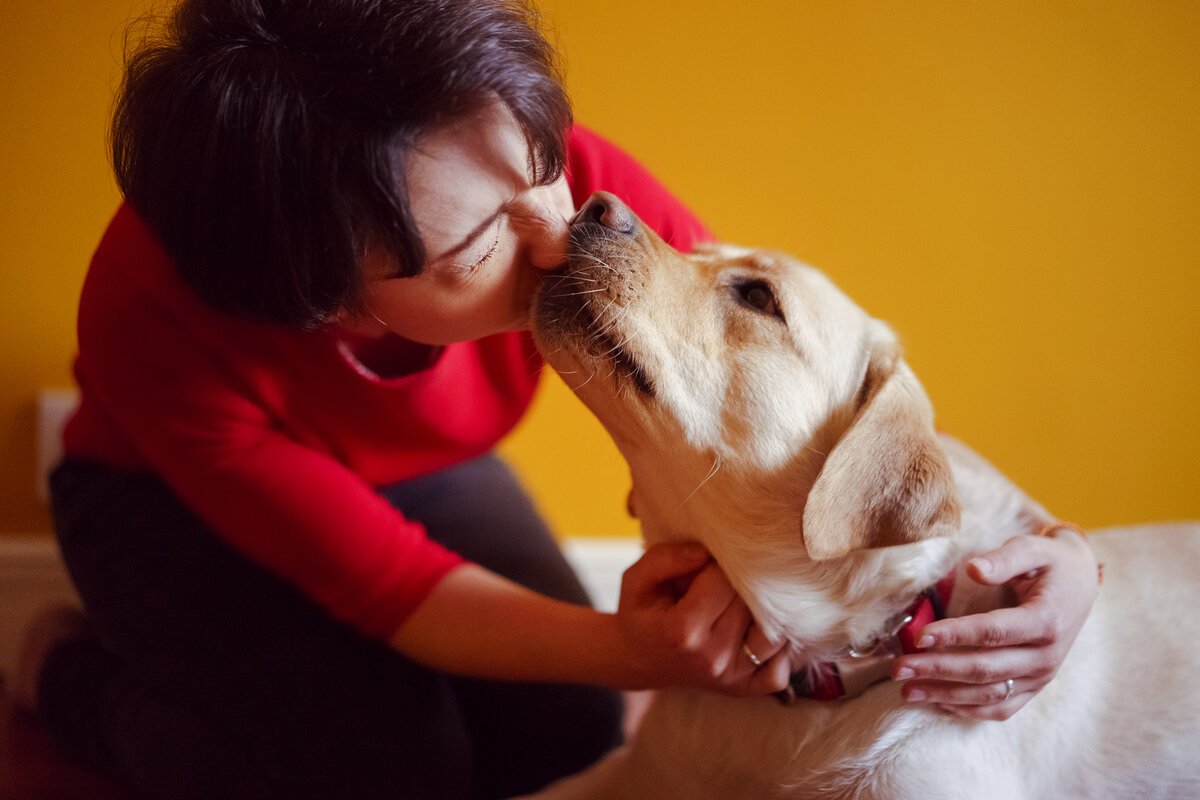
{"points": [[608, 211]]}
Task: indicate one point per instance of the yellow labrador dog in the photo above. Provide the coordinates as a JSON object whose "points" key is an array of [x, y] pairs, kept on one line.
{"points": [[767, 416]]}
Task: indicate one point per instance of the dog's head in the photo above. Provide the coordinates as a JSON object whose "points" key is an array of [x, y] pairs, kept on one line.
{"points": [[761, 411]]}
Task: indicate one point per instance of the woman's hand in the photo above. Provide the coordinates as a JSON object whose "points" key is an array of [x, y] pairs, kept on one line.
{"points": [[683, 625], [1054, 579]]}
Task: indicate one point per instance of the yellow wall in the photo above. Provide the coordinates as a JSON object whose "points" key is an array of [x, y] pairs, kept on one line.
{"points": [[58, 59], [1014, 185]]}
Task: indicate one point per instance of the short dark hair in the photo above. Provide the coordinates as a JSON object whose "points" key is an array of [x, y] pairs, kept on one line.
{"points": [[263, 142]]}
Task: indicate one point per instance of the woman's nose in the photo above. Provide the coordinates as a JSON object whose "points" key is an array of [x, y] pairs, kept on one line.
{"points": [[550, 235]]}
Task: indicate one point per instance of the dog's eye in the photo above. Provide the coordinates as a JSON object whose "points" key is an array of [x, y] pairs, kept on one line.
{"points": [[758, 295]]}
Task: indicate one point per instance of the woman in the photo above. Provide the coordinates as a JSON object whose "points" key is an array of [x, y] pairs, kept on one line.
{"points": [[304, 573]]}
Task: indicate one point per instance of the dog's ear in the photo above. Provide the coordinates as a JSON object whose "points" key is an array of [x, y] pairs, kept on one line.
{"points": [[887, 481]]}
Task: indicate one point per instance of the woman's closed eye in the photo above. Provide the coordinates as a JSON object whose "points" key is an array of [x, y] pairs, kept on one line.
{"points": [[471, 262]]}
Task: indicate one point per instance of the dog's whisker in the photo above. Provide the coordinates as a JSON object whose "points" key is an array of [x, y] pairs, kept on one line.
{"points": [[529, 364], [582, 292], [585, 383], [716, 467], [595, 260], [609, 324], [568, 276], [601, 263], [577, 278], [630, 336]]}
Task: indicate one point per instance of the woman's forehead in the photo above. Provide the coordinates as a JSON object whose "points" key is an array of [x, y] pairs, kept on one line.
{"points": [[463, 172]]}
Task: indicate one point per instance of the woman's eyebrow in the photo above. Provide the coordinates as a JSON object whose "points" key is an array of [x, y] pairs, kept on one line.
{"points": [[470, 238]]}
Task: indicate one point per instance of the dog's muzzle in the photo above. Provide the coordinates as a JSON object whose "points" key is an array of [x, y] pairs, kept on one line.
{"points": [[580, 305]]}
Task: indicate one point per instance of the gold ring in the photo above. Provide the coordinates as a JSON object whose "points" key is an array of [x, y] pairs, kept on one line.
{"points": [[755, 660]]}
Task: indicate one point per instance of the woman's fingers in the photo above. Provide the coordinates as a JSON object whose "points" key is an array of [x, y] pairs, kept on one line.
{"points": [[759, 647], [657, 575], [707, 600], [1030, 624], [1027, 556], [974, 669], [773, 676], [993, 701], [991, 684], [686, 625]]}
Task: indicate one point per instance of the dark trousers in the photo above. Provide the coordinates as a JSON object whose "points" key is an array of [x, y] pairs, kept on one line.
{"points": [[212, 678]]}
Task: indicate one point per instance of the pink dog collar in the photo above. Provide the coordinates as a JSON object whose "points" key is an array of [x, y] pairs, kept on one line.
{"points": [[860, 668]]}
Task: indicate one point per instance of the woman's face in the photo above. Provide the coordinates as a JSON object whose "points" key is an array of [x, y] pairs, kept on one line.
{"points": [[488, 236]]}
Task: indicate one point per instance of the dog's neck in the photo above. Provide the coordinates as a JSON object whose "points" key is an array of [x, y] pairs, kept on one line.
{"points": [[819, 608], [860, 666]]}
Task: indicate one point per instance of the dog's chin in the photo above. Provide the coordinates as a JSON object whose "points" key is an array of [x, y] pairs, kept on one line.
{"points": [[578, 345]]}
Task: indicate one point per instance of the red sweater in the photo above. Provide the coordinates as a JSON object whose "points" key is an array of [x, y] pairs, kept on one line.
{"points": [[275, 437]]}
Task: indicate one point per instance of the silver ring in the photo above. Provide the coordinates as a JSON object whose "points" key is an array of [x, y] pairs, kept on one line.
{"points": [[1008, 688], [755, 660]]}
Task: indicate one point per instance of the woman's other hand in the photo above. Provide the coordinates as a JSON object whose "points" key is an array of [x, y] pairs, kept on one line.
{"points": [[972, 659]]}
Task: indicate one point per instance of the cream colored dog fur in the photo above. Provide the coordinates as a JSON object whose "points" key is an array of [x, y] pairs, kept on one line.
{"points": [[765, 415]]}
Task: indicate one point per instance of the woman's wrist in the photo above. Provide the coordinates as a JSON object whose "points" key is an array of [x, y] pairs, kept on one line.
{"points": [[479, 624]]}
